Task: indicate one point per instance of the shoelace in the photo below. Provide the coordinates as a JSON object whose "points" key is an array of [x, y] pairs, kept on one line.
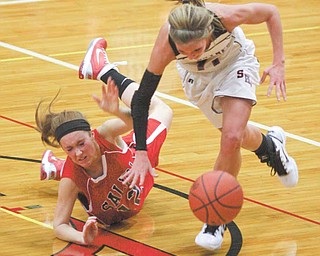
{"points": [[272, 163], [212, 229], [273, 160], [116, 63], [120, 63]]}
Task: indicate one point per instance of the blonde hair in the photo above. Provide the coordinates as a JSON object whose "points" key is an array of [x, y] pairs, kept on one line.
{"points": [[193, 2], [192, 21], [48, 121]]}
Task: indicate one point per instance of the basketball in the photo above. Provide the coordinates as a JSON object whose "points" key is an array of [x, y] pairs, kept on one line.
{"points": [[216, 198]]}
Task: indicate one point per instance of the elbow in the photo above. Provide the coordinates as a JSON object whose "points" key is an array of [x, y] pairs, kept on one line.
{"points": [[273, 10]]}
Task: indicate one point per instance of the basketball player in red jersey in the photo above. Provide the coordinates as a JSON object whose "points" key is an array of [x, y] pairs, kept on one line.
{"points": [[220, 73], [97, 159]]}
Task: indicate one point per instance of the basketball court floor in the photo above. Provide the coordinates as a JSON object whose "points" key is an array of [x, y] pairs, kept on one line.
{"points": [[42, 44]]}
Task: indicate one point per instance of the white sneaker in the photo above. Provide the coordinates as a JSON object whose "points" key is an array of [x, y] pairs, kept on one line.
{"points": [[281, 163], [50, 166], [210, 237]]}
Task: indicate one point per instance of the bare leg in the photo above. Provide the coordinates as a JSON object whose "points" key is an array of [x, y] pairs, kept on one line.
{"points": [[252, 138], [236, 133]]}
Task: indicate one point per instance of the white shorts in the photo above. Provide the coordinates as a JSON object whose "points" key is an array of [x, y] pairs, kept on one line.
{"points": [[238, 79]]}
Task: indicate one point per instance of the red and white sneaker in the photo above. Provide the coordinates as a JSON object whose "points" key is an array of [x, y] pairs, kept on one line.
{"points": [[95, 63], [51, 166]]}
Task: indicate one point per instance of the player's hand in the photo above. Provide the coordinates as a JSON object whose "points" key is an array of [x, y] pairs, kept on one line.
{"points": [[90, 230], [141, 166], [109, 101], [277, 80]]}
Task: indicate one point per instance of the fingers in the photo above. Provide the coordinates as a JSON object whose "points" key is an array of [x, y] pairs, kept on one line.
{"points": [[280, 90], [103, 89], [91, 224], [284, 91], [90, 230], [140, 167], [141, 180], [270, 89], [132, 178], [277, 80], [112, 88], [96, 99], [263, 77], [91, 221], [92, 218], [127, 177], [153, 172], [109, 81]]}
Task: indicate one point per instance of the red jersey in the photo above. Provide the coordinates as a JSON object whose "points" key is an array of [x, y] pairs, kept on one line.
{"points": [[106, 197]]}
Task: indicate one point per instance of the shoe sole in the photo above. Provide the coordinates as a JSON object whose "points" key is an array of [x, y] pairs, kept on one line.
{"points": [[207, 247], [285, 180]]}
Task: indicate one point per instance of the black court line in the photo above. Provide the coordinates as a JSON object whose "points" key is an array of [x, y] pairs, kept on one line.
{"points": [[236, 236], [170, 173], [20, 159]]}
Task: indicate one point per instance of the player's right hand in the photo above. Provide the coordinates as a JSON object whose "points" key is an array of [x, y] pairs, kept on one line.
{"points": [[139, 169]]}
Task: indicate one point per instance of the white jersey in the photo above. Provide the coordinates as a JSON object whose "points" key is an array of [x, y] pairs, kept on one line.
{"points": [[223, 50], [227, 68]]}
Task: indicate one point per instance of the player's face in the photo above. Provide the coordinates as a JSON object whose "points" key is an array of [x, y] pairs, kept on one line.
{"points": [[81, 147], [194, 49]]}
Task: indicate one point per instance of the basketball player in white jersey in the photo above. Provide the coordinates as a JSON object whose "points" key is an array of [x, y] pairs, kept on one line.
{"points": [[220, 73]]}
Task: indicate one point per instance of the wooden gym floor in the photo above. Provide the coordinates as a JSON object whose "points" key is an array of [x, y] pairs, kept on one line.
{"points": [[41, 45]]}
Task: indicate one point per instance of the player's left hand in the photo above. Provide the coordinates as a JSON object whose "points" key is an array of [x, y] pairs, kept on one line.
{"points": [[90, 230], [109, 101], [277, 80]]}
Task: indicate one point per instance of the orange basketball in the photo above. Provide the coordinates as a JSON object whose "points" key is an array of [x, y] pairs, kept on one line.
{"points": [[216, 198]]}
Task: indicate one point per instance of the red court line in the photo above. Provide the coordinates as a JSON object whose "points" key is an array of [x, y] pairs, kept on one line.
{"points": [[282, 211], [188, 179], [18, 122], [173, 174], [107, 238], [249, 200]]}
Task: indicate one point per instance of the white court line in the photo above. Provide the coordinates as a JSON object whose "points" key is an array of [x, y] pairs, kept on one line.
{"points": [[20, 2], [162, 95], [39, 56]]}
